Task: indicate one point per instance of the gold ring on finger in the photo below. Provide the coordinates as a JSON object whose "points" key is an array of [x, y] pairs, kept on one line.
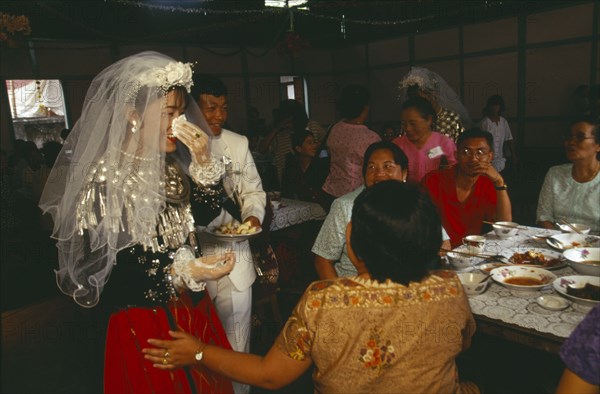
{"points": [[166, 354], [164, 361]]}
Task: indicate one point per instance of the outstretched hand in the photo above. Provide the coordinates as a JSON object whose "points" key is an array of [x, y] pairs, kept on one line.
{"points": [[172, 354], [193, 137], [212, 267]]}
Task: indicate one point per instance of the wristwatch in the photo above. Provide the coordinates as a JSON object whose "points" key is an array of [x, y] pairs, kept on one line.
{"points": [[503, 187], [199, 355]]}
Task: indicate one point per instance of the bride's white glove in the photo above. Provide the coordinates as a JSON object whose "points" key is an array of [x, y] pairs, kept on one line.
{"points": [[204, 169], [193, 272], [193, 137]]}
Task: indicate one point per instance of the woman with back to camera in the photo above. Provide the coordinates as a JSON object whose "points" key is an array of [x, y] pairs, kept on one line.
{"points": [[572, 191], [348, 140], [121, 210], [413, 322]]}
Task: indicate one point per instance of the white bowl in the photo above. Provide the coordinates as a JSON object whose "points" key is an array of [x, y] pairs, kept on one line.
{"points": [[583, 228], [460, 261], [552, 302], [505, 229], [586, 261], [474, 282], [538, 277]]}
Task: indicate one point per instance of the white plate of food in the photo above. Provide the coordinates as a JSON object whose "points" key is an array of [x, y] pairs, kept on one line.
{"points": [[534, 257], [523, 278], [582, 289], [566, 241], [234, 231]]}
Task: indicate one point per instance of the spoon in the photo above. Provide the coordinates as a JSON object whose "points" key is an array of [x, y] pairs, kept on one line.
{"points": [[540, 237], [556, 243]]}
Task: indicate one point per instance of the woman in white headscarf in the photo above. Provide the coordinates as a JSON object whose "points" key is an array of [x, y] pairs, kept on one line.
{"points": [[121, 209], [452, 118]]}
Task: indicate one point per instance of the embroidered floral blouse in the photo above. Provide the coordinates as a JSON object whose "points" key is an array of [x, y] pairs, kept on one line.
{"points": [[365, 336]]}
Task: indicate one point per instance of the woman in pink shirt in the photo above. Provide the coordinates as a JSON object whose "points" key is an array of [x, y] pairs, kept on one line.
{"points": [[427, 150], [347, 142]]}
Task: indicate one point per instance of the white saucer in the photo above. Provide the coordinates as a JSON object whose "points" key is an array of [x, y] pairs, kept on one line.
{"points": [[552, 302]]}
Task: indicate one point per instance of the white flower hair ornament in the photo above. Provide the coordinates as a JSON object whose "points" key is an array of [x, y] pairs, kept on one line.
{"points": [[173, 74], [412, 80]]}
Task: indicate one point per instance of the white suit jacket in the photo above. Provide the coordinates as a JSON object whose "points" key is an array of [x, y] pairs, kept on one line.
{"points": [[242, 174]]}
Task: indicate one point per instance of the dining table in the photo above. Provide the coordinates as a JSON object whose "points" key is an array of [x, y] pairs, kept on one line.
{"points": [[515, 315], [292, 212]]}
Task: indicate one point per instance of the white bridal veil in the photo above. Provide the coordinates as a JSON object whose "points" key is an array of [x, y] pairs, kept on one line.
{"points": [[107, 186]]}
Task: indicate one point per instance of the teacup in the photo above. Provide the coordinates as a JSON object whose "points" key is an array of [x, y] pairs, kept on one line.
{"points": [[474, 282], [474, 243]]}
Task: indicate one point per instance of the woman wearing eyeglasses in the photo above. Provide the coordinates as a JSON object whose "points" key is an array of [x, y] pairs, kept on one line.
{"points": [[572, 191], [472, 191], [424, 147]]}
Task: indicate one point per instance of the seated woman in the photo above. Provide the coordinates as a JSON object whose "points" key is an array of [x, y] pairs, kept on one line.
{"points": [[572, 191], [305, 173], [413, 322], [382, 161]]}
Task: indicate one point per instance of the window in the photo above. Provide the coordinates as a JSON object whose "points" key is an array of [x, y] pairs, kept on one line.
{"points": [[37, 108]]}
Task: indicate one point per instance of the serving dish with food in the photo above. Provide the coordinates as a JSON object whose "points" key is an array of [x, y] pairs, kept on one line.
{"points": [[540, 258], [582, 289], [234, 231], [523, 277]]}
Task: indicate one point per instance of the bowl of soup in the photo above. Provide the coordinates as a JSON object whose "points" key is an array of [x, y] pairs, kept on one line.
{"points": [[523, 278]]}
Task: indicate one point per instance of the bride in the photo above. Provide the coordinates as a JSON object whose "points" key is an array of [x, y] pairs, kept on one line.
{"points": [[121, 209]]}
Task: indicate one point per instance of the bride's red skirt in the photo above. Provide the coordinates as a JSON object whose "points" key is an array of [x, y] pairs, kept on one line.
{"points": [[126, 370]]}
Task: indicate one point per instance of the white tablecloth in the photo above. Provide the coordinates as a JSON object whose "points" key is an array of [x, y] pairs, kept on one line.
{"points": [[292, 212], [520, 308]]}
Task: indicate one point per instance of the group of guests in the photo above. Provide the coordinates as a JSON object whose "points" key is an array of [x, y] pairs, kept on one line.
{"points": [[162, 164]]}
